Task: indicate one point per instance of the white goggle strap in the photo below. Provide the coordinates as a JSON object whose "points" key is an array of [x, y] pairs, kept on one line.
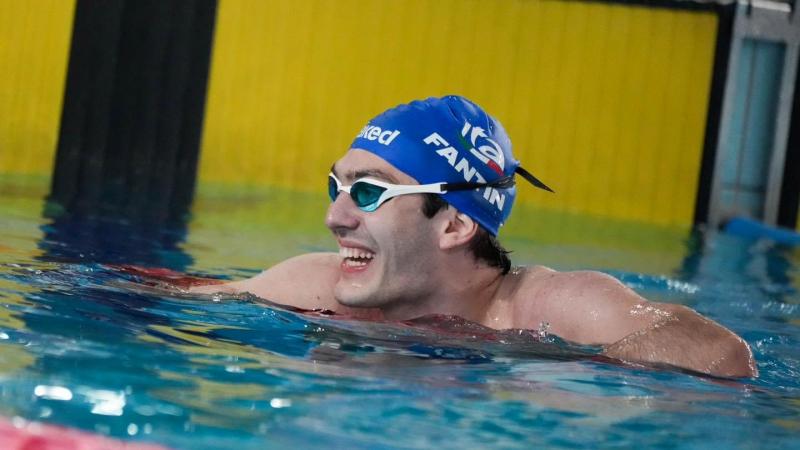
{"points": [[393, 190]]}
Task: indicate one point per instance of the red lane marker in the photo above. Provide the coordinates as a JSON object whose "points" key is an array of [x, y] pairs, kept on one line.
{"points": [[20, 434], [160, 274]]}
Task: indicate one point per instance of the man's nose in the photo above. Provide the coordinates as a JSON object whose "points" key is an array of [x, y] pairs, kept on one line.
{"points": [[343, 214]]}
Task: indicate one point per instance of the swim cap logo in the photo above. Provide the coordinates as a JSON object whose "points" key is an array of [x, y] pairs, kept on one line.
{"points": [[491, 155], [373, 133], [462, 165]]}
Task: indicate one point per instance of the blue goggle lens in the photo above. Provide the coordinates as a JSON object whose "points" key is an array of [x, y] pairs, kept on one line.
{"points": [[365, 195], [333, 188]]}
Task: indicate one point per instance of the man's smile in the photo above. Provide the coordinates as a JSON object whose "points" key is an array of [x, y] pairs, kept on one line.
{"points": [[355, 259]]}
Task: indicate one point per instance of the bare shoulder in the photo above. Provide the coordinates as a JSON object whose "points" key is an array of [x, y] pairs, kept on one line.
{"points": [[304, 281], [588, 307], [570, 286], [577, 284], [581, 306]]}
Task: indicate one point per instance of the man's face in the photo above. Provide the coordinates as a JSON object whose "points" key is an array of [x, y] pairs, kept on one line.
{"points": [[388, 254]]}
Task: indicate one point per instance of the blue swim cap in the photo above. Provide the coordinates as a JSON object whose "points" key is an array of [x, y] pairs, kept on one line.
{"points": [[449, 139]]}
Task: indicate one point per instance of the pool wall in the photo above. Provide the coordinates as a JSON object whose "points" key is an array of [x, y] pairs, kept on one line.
{"points": [[34, 51], [602, 99], [615, 104]]}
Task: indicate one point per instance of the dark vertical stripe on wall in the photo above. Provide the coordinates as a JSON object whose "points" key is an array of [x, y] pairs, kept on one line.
{"points": [[716, 97], [790, 190], [133, 108]]}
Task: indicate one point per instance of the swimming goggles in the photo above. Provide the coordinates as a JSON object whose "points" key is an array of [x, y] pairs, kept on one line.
{"points": [[369, 194]]}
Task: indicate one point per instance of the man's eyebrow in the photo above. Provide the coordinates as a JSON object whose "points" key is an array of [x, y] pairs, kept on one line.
{"points": [[362, 173], [373, 173]]}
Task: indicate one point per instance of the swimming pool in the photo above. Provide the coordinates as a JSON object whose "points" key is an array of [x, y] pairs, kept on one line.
{"points": [[87, 346]]}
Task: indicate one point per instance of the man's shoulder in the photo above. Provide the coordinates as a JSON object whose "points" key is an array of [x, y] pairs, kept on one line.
{"points": [[548, 282], [562, 297], [321, 260], [305, 281], [321, 268]]}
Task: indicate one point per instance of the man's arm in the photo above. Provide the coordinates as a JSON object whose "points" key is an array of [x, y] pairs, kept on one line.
{"points": [[595, 308], [687, 339]]}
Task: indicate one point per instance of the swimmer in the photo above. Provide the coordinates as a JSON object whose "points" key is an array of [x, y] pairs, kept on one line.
{"points": [[416, 206]]}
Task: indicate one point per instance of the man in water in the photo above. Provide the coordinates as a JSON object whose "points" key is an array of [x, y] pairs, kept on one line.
{"points": [[416, 205]]}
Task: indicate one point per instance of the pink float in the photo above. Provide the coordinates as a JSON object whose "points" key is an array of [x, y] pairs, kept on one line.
{"points": [[20, 434]]}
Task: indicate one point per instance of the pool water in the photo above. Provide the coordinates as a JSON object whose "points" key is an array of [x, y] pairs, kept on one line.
{"points": [[86, 345]]}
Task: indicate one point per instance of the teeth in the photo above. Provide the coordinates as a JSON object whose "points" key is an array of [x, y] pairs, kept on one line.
{"points": [[354, 263], [355, 253]]}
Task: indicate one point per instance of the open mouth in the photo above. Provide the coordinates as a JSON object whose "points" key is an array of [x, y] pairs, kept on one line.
{"points": [[355, 257]]}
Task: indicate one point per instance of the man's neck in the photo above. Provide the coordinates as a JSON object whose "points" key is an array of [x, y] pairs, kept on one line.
{"points": [[468, 297]]}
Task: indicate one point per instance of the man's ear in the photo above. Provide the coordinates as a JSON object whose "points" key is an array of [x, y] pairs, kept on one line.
{"points": [[458, 230]]}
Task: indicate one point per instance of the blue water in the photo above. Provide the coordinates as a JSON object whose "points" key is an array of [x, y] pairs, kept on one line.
{"points": [[89, 346]]}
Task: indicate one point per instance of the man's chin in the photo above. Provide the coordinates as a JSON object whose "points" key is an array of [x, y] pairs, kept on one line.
{"points": [[358, 299]]}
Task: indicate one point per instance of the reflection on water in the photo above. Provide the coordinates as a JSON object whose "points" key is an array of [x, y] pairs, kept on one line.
{"points": [[112, 239], [189, 370]]}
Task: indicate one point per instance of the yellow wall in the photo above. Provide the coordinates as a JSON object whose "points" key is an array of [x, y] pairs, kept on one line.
{"points": [[34, 46], [605, 103]]}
